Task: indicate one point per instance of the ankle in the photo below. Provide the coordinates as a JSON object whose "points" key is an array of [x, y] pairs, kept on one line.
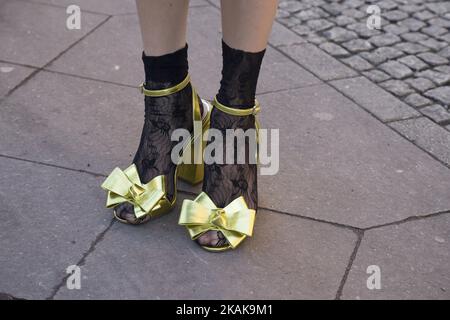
{"points": [[239, 77], [162, 72]]}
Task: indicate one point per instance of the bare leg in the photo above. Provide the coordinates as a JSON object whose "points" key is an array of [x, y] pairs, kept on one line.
{"points": [[163, 25], [246, 24], [246, 28]]}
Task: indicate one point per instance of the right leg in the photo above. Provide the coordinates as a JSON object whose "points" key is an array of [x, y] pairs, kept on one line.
{"points": [[163, 28], [163, 25]]}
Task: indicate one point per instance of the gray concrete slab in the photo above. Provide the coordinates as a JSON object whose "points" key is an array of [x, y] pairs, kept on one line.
{"points": [[50, 217], [110, 7], [377, 101], [340, 164], [318, 62], [11, 75], [413, 257], [98, 57], [427, 135], [159, 261], [72, 122], [282, 36], [33, 34]]}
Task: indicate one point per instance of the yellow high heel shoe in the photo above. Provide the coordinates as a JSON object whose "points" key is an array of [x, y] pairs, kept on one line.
{"points": [[236, 220], [151, 199]]}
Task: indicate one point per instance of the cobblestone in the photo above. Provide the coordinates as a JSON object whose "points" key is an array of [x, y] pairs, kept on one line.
{"points": [[397, 87], [357, 45], [417, 100], [396, 69], [438, 77], [357, 63], [382, 54], [411, 48], [413, 62], [334, 49], [420, 84], [376, 75], [340, 34], [409, 56], [437, 113], [385, 40], [433, 58], [441, 94]]}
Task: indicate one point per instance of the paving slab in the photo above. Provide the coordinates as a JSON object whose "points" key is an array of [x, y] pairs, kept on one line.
{"points": [[110, 7], [377, 101], [50, 217], [82, 124], [159, 261], [283, 36], [349, 167], [11, 75], [318, 62], [34, 34], [98, 57], [426, 134], [413, 257]]}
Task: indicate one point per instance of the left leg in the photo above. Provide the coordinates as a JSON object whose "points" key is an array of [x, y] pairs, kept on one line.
{"points": [[246, 28]]}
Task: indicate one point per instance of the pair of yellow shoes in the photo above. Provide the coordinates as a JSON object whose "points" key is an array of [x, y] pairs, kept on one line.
{"points": [[199, 216]]}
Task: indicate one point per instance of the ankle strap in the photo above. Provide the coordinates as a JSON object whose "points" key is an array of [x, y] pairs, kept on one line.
{"points": [[237, 112], [165, 92]]}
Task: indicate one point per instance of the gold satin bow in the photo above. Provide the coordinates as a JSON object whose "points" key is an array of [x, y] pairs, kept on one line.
{"points": [[125, 186], [235, 221]]}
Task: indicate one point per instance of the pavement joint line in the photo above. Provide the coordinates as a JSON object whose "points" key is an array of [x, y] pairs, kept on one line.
{"points": [[404, 119], [408, 219], [134, 87], [82, 261], [190, 193], [421, 148], [349, 265], [186, 192], [135, 13], [20, 64], [12, 297], [289, 89], [32, 74], [60, 6], [89, 78], [53, 165]]}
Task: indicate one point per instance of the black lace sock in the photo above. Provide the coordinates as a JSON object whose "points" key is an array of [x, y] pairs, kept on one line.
{"points": [[226, 182], [162, 116]]}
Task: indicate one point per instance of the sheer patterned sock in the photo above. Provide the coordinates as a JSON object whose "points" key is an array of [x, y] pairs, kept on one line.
{"points": [[226, 182], [162, 116]]}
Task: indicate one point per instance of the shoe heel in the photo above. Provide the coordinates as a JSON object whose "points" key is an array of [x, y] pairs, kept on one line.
{"points": [[189, 171]]}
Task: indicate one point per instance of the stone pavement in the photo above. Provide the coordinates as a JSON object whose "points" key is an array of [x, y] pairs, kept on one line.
{"points": [[364, 171]]}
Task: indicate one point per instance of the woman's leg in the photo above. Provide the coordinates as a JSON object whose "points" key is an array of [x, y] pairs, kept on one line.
{"points": [[246, 27], [246, 24], [163, 27]]}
